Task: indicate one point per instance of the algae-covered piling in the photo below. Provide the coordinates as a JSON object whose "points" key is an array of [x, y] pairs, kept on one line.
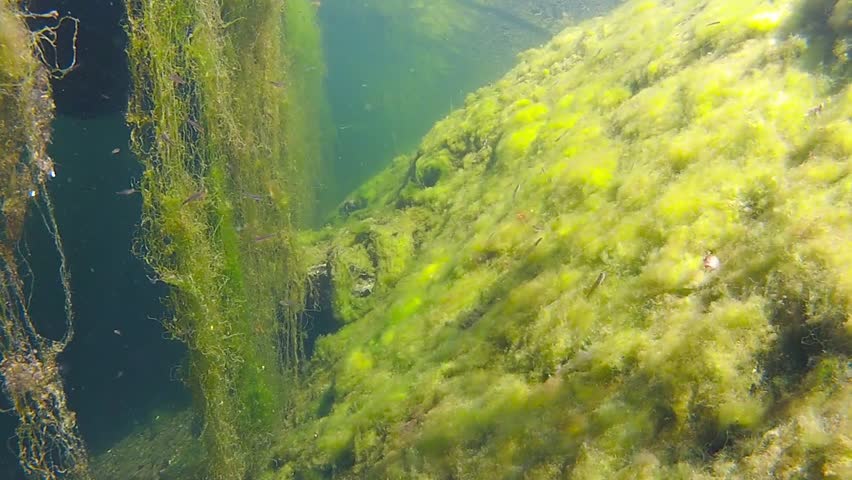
{"points": [[215, 120], [49, 445]]}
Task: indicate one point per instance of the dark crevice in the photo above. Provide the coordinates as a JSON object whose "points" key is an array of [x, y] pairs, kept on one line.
{"points": [[318, 316]]}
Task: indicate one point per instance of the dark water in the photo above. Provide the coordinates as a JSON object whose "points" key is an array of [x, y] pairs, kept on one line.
{"points": [[118, 364], [117, 368], [388, 81]]}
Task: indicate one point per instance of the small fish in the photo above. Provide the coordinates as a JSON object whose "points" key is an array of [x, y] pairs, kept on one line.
{"points": [[116, 151], [117, 332], [814, 111], [197, 126], [713, 23], [598, 282], [515, 193], [261, 238], [195, 197], [277, 84], [177, 79], [127, 191], [538, 241], [254, 196], [165, 138]]}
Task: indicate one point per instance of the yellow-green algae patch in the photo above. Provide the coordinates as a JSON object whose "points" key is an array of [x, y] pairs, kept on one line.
{"points": [[546, 296]]}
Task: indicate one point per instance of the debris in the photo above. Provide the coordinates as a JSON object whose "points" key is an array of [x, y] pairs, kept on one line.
{"points": [[45, 166], [364, 285], [116, 151], [598, 282], [711, 262]]}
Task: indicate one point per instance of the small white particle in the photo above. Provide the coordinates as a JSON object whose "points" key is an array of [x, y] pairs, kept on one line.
{"points": [[711, 262]]}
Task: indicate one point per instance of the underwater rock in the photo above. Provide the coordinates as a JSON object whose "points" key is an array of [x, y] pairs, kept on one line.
{"points": [[625, 149], [364, 283], [351, 205]]}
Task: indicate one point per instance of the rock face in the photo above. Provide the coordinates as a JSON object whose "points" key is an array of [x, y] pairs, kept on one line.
{"points": [[540, 302]]}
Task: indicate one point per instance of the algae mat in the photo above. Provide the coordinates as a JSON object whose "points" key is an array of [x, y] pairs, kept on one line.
{"points": [[629, 257]]}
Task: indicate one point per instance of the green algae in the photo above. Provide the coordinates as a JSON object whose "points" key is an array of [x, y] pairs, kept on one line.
{"points": [[222, 114], [629, 146]]}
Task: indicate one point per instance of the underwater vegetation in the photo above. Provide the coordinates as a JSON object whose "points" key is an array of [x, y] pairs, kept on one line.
{"points": [[48, 442], [629, 257], [220, 113]]}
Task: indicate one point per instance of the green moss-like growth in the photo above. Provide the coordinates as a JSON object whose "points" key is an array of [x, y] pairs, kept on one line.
{"points": [[635, 258], [220, 122]]}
